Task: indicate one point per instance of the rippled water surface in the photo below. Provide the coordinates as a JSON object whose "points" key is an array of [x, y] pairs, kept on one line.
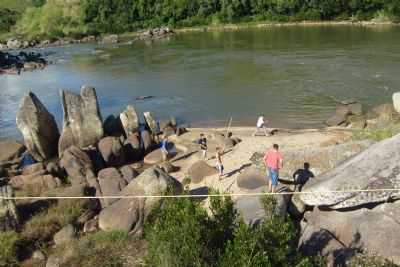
{"points": [[293, 75]]}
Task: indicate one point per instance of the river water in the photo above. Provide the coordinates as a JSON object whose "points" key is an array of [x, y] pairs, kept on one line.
{"points": [[294, 75]]}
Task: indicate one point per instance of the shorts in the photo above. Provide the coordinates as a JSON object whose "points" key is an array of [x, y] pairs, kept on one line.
{"points": [[220, 168], [273, 175]]}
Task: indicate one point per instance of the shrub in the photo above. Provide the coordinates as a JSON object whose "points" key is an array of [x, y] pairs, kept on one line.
{"points": [[364, 259], [378, 134], [8, 248]]}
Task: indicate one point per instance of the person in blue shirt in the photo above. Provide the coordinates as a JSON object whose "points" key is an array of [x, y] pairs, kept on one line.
{"points": [[164, 147]]}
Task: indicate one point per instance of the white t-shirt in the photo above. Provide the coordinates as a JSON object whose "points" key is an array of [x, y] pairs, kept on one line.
{"points": [[260, 122]]}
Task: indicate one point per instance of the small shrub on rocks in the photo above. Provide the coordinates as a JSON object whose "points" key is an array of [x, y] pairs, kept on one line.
{"points": [[8, 248]]}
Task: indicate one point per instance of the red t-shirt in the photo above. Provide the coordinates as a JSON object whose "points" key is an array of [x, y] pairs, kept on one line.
{"points": [[273, 159]]}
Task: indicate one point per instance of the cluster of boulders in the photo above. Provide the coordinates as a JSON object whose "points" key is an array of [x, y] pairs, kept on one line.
{"points": [[155, 33], [14, 64], [351, 114], [88, 158], [18, 43]]}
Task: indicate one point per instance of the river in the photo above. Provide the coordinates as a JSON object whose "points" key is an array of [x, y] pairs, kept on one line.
{"points": [[294, 75]]}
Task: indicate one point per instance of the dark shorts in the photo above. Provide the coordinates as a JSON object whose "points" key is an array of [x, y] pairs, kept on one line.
{"points": [[273, 175]]}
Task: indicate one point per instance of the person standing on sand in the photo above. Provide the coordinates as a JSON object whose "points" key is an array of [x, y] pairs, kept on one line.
{"points": [[164, 147], [261, 125], [203, 145], [220, 166], [273, 160]]}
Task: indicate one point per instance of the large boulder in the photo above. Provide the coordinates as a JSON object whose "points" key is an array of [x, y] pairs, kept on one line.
{"points": [[396, 101], [377, 167], [200, 170], [111, 184], [130, 120], [147, 140], [10, 150], [65, 235], [112, 126], [129, 214], [374, 230], [320, 159], [9, 218], [128, 173], [251, 179], [14, 43], [82, 125], [112, 151], [39, 182], [133, 148], [151, 123], [77, 165], [343, 110], [38, 127]]}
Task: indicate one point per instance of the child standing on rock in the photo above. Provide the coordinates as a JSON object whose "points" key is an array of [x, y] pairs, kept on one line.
{"points": [[220, 166], [203, 145]]}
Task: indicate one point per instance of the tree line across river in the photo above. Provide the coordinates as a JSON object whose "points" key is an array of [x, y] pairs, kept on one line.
{"points": [[60, 18]]}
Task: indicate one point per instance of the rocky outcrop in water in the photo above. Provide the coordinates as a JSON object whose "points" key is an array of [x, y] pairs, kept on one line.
{"points": [[82, 124], [130, 120], [16, 63], [38, 127], [343, 111]]}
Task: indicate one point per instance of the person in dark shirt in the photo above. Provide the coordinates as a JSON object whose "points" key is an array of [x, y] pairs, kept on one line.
{"points": [[203, 145], [301, 176]]}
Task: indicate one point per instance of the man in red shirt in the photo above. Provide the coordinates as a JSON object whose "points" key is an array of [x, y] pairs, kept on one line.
{"points": [[273, 160]]}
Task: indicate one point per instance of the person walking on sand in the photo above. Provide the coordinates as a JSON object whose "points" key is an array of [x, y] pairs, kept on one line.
{"points": [[273, 160], [220, 166], [261, 125], [203, 145], [164, 147]]}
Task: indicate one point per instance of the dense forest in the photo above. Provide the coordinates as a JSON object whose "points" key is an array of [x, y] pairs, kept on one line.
{"points": [[55, 18]]}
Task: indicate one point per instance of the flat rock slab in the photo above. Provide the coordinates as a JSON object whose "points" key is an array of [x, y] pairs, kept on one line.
{"points": [[251, 179], [199, 170], [156, 156], [10, 150]]}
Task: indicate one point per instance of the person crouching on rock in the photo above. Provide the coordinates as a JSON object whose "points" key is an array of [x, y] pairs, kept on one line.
{"points": [[220, 166], [273, 160], [164, 147], [203, 145]]}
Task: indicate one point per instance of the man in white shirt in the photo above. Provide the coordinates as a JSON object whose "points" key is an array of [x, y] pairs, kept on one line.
{"points": [[261, 125]]}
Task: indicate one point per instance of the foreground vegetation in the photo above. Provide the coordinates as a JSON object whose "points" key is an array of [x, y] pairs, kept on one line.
{"points": [[60, 18]]}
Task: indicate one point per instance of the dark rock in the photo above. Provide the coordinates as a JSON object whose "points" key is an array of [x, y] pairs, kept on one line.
{"points": [[180, 131], [82, 125], [251, 179], [54, 169], [10, 150], [113, 126], [144, 97], [112, 151], [38, 127], [133, 149], [167, 167], [200, 170]]}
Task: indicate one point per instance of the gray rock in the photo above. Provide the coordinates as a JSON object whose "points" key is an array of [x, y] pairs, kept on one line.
{"points": [[251, 210], [82, 125], [130, 214], [38, 127], [151, 123], [112, 151], [37, 181], [200, 170], [147, 140], [111, 184], [167, 167], [38, 255], [336, 120], [374, 168], [9, 218], [252, 178], [65, 235], [14, 43], [396, 101], [77, 164], [130, 120], [128, 173], [374, 230], [133, 148], [110, 39], [10, 150]]}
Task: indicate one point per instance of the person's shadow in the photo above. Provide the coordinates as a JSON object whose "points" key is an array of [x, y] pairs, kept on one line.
{"points": [[301, 176]]}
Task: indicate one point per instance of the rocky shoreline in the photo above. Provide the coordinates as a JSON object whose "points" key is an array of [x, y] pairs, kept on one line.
{"points": [[121, 156], [11, 63]]}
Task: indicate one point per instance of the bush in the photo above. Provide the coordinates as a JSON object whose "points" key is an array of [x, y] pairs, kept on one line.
{"points": [[364, 259], [378, 134], [181, 233], [8, 248]]}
